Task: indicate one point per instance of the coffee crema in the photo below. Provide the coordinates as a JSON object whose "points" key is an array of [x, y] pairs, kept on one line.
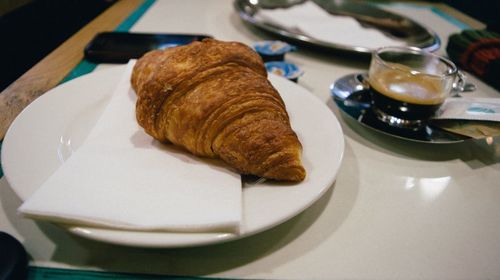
{"points": [[403, 85]]}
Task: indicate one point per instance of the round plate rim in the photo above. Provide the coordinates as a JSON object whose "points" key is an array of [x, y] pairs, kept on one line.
{"points": [[106, 76]]}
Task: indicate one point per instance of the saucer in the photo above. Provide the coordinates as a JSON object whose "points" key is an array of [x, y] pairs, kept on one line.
{"points": [[351, 95]]}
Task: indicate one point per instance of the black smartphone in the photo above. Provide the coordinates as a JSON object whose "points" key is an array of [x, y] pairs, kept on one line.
{"points": [[119, 47]]}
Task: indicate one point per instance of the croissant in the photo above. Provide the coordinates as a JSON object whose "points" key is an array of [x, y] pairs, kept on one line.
{"points": [[213, 99]]}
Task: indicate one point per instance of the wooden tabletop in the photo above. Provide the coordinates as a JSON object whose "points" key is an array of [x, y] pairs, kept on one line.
{"points": [[49, 72]]}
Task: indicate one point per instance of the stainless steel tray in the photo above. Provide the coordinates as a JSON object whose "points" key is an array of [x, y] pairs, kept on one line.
{"points": [[391, 24]]}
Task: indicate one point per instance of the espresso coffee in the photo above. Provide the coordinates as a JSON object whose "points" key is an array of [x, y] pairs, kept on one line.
{"points": [[405, 94]]}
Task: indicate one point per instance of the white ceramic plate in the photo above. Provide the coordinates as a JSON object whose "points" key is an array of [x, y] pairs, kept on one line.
{"points": [[55, 125]]}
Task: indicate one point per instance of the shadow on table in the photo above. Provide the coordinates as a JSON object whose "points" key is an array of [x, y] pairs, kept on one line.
{"points": [[45, 241], [475, 153]]}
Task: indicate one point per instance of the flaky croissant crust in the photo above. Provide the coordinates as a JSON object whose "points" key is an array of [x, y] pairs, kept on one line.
{"points": [[213, 98]]}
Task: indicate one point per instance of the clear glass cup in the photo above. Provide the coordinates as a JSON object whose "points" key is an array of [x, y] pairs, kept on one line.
{"points": [[408, 85]]}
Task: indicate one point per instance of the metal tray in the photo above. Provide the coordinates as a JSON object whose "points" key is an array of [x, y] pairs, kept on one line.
{"points": [[391, 24]]}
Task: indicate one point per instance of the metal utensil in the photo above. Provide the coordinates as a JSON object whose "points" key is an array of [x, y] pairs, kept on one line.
{"points": [[369, 15]]}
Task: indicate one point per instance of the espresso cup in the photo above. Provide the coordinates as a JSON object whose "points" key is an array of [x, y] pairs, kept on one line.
{"points": [[408, 85]]}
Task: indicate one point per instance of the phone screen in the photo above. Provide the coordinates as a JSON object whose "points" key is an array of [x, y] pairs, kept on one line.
{"points": [[120, 47]]}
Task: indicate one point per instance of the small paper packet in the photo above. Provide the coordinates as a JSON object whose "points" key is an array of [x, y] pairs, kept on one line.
{"points": [[484, 109], [473, 117]]}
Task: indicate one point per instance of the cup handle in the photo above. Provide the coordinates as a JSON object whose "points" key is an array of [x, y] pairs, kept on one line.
{"points": [[460, 86]]}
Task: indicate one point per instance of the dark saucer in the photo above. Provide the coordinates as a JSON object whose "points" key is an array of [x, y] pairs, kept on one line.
{"points": [[351, 95]]}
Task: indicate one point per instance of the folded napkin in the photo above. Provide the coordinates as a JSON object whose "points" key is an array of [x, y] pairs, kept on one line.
{"points": [[311, 19], [122, 178]]}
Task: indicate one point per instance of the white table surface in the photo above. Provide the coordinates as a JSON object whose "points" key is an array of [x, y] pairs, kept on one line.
{"points": [[397, 209]]}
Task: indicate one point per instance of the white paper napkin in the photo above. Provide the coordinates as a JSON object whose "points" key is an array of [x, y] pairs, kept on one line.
{"points": [[122, 178], [319, 24]]}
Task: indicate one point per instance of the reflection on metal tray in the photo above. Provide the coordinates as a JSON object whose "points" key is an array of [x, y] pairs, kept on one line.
{"points": [[350, 93], [392, 25]]}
